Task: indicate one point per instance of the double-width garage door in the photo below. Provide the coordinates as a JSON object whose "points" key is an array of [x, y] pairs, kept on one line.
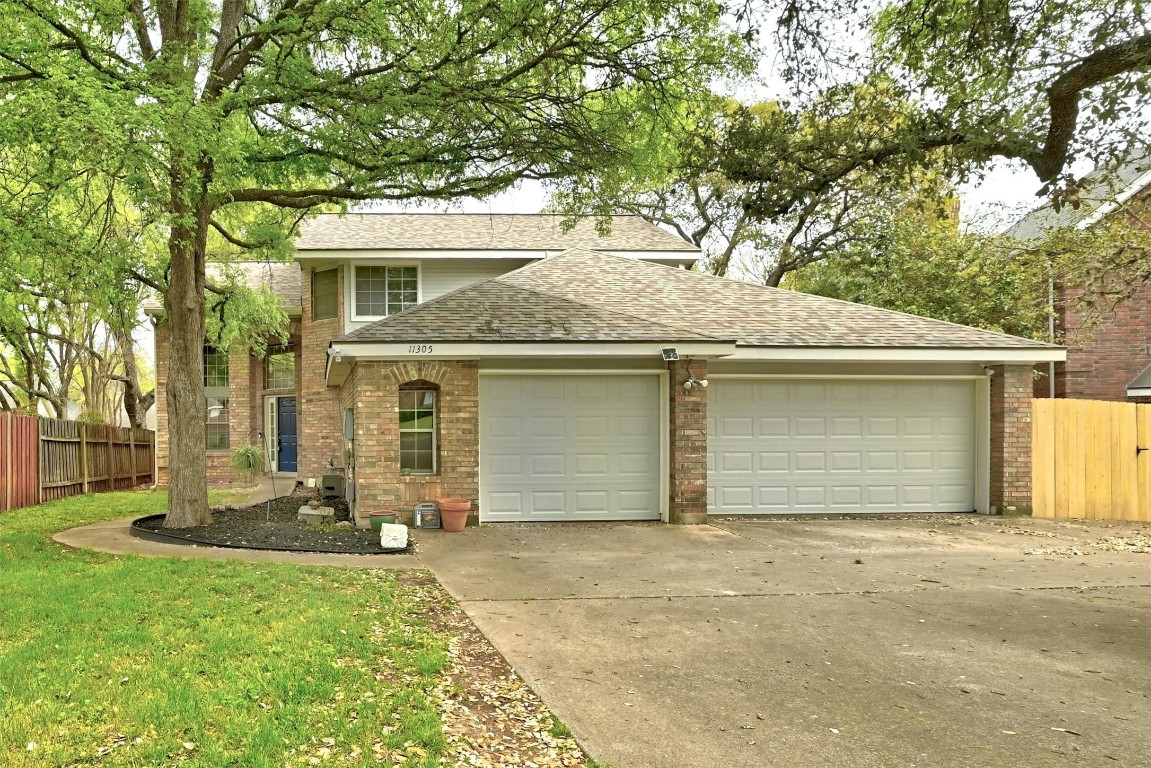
{"points": [[569, 447], [834, 445]]}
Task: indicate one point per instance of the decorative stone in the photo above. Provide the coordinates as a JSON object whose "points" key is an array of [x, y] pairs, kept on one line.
{"points": [[345, 524], [318, 515]]}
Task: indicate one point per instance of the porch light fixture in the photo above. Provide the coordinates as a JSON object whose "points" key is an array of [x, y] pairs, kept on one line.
{"points": [[693, 382], [337, 355]]}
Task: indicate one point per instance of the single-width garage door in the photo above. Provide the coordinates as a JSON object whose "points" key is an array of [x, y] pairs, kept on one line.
{"points": [[821, 445], [569, 447]]}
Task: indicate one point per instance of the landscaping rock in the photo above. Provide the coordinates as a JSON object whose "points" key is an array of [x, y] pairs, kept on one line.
{"points": [[316, 515], [345, 524]]}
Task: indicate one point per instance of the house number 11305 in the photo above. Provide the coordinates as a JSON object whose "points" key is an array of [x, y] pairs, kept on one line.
{"points": [[420, 349]]}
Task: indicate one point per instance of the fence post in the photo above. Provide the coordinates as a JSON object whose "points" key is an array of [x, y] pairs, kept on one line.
{"points": [[39, 460], [8, 443], [83, 459], [132, 452], [112, 464]]}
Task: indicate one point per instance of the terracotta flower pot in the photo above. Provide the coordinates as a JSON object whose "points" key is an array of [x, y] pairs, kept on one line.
{"points": [[380, 517], [454, 513]]}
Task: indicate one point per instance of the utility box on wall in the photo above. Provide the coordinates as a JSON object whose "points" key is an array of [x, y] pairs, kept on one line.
{"points": [[332, 486]]}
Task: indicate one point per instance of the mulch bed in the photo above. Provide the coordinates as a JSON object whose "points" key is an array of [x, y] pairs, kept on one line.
{"points": [[274, 526]]}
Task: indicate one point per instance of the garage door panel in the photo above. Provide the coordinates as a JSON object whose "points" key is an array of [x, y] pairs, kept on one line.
{"points": [[591, 464], [737, 461], [570, 447], [774, 461], [859, 446]]}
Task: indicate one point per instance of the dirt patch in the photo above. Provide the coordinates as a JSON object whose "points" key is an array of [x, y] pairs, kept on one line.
{"points": [[273, 525], [491, 717]]}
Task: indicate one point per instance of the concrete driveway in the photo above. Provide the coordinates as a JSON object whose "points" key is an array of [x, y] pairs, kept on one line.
{"points": [[911, 642]]}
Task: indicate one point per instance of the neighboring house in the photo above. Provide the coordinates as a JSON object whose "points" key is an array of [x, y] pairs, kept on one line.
{"points": [[1108, 358], [567, 376]]}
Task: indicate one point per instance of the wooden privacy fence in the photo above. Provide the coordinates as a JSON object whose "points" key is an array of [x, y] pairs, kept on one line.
{"points": [[1090, 459], [43, 459]]}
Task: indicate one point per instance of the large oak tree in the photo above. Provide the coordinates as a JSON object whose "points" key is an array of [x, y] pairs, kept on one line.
{"points": [[199, 106]]}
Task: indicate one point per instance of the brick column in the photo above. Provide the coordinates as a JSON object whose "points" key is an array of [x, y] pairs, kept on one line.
{"points": [[1011, 388], [319, 423], [687, 443]]}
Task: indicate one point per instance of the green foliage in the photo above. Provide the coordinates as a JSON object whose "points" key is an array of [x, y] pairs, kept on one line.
{"points": [[248, 460], [210, 117], [926, 266]]}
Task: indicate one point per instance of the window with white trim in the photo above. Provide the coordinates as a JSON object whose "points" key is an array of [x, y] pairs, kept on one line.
{"points": [[418, 431], [383, 291], [216, 399]]}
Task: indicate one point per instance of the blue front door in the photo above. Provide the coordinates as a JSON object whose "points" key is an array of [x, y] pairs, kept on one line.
{"points": [[286, 420]]}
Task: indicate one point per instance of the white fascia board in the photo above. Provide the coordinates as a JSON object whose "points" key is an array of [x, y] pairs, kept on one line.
{"points": [[1128, 192], [1139, 392], [456, 350], [899, 354]]}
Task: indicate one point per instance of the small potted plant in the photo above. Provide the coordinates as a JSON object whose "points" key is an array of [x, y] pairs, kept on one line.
{"points": [[381, 517], [454, 513]]}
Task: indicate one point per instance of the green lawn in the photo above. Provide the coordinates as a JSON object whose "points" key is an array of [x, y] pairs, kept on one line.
{"points": [[112, 660]]}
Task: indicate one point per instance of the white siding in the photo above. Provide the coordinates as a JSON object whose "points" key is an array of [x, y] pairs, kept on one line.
{"points": [[446, 275], [437, 277]]}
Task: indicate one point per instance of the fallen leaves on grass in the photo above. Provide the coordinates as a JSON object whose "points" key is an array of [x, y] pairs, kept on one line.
{"points": [[491, 717]]}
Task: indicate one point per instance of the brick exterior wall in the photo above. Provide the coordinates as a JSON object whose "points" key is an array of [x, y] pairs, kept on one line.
{"points": [[1104, 358], [318, 414], [1011, 390], [373, 391], [687, 443], [244, 371]]}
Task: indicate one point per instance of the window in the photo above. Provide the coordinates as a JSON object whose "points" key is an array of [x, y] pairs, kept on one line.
{"points": [[418, 431], [216, 394], [215, 368], [217, 427], [325, 294], [382, 291], [281, 370]]}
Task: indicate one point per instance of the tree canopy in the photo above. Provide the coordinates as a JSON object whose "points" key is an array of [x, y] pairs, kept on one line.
{"points": [[198, 108]]}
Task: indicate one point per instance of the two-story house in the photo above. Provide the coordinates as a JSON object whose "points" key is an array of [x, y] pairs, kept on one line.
{"points": [[552, 375], [1108, 356]]}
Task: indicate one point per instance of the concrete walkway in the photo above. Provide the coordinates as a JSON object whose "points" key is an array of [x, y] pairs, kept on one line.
{"points": [[851, 643]]}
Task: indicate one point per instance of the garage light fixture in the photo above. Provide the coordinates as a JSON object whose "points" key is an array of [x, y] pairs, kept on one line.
{"points": [[693, 382]]}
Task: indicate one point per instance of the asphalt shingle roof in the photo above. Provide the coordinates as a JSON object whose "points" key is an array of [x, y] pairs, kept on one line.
{"points": [[610, 298], [1100, 187], [494, 310], [466, 231]]}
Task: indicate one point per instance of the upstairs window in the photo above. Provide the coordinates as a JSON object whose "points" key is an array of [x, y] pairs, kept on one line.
{"points": [[418, 428], [325, 294], [383, 291], [281, 370], [215, 368]]}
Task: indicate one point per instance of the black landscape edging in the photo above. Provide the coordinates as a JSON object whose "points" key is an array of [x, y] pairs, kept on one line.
{"points": [[170, 538]]}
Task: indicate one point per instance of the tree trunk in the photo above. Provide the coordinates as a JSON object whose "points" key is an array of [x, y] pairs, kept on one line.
{"points": [[187, 408], [136, 404]]}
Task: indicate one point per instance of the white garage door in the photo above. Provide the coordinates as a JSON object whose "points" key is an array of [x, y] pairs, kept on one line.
{"points": [[569, 447], [816, 445]]}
